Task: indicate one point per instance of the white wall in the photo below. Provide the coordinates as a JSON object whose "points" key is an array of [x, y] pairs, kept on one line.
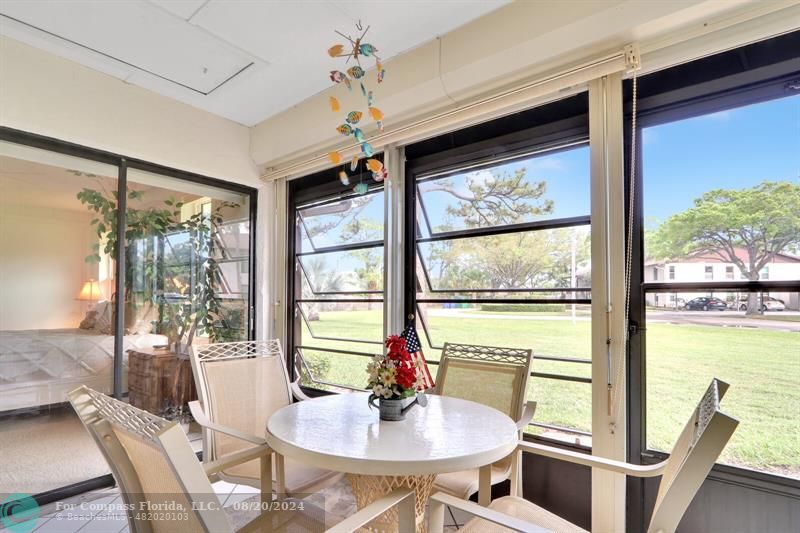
{"points": [[45, 94], [42, 267]]}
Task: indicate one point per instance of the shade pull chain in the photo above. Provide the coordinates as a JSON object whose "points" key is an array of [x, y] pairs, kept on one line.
{"points": [[633, 58]]}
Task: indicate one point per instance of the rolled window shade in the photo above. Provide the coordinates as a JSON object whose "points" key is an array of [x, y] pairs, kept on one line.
{"points": [[474, 112]]}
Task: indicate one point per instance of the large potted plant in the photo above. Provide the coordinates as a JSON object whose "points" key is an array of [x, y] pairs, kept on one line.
{"points": [[185, 298]]}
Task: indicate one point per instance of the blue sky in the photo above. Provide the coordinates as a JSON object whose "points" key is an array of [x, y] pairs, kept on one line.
{"points": [[732, 149]]}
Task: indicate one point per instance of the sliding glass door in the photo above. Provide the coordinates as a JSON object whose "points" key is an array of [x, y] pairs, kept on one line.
{"points": [[82, 303], [56, 318]]}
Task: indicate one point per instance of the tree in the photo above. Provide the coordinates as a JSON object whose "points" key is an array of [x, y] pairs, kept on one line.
{"points": [[763, 220], [508, 261], [494, 198]]}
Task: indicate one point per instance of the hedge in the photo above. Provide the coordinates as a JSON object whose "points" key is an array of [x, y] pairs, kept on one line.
{"points": [[524, 308]]}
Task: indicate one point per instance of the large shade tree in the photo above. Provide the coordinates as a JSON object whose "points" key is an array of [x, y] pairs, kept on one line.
{"points": [[763, 221]]}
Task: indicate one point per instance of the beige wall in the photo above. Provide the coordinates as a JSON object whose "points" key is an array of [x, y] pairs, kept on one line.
{"points": [[45, 94], [42, 267]]}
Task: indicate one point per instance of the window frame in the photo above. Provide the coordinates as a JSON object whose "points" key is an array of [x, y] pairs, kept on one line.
{"points": [[549, 138], [319, 189], [731, 92]]}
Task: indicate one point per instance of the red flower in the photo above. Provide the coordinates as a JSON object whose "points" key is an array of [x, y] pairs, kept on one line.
{"points": [[406, 375], [395, 343]]}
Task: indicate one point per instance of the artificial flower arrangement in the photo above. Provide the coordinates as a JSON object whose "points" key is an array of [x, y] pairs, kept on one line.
{"points": [[395, 375]]}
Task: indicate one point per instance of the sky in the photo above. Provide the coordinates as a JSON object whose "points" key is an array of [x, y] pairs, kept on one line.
{"points": [[732, 149]]}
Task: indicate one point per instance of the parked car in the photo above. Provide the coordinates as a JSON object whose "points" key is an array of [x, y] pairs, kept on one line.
{"points": [[704, 303], [767, 304]]}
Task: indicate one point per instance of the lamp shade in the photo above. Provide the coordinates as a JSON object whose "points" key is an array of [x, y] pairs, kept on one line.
{"points": [[90, 291]]}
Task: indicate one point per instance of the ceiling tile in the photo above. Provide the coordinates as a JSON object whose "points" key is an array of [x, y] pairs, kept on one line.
{"points": [[182, 8], [137, 33]]}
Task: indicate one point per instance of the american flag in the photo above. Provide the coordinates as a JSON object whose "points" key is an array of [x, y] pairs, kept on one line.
{"points": [[415, 349]]}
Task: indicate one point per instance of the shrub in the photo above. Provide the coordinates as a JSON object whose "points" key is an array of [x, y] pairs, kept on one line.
{"points": [[524, 308]]}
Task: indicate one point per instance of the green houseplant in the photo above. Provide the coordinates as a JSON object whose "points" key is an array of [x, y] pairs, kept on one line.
{"points": [[174, 284]]}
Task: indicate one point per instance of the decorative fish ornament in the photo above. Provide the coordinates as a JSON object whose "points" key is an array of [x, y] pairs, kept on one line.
{"points": [[334, 104], [375, 113], [356, 72], [367, 149], [359, 135], [335, 157], [344, 178], [366, 49], [360, 188], [335, 50], [354, 163], [374, 165], [338, 76], [354, 116], [344, 129], [380, 175], [370, 99], [380, 70]]}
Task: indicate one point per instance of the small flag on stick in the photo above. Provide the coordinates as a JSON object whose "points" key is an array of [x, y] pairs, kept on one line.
{"points": [[415, 349]]}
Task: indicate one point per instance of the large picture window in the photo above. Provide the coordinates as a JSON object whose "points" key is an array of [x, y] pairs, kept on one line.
{"points": [[502, 259], [724, 220]]}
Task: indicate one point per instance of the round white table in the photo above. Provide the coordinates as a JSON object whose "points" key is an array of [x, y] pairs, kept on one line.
{"points": [[340, 432]]}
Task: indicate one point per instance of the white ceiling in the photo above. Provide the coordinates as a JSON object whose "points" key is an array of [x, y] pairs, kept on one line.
{"points": [[245, 60]]}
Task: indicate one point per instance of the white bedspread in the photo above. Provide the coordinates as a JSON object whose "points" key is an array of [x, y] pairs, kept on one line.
{"points": [[55, 354]]}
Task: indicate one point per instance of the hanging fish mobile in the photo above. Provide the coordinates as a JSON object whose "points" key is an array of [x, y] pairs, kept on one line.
{"points": [[356, 49]]}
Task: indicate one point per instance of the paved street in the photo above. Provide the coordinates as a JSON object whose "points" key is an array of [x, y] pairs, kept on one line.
{"points": [[727, 319]]}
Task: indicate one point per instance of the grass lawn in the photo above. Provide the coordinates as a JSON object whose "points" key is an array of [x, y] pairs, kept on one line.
{"points": [[762, 366]]}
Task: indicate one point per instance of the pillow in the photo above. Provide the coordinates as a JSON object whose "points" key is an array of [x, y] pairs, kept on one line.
{"points": [[104, 322], [89, 321]]}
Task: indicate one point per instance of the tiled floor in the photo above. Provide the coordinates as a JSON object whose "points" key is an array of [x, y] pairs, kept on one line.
{"points": [[102, 511]]}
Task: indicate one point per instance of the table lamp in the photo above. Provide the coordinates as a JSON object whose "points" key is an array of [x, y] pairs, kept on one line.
{"points": [[90, 291]]}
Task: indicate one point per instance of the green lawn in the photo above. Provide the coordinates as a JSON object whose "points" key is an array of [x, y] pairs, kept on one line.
{"points": [[762, 366]]}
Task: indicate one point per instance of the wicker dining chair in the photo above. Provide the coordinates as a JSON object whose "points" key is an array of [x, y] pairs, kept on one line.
{"points": [[240, 385], [497, 377], [154, 465], [697, 448]]}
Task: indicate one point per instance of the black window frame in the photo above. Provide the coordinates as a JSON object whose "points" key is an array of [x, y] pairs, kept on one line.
{"points": [[755, 73], [318, 189], [562, 125]]}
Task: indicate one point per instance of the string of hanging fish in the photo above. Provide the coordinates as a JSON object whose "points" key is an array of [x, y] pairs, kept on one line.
{"points": [[356, 50]]}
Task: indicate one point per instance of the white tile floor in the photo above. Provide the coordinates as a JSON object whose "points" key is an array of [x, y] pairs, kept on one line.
{"points": [[101, 511]]}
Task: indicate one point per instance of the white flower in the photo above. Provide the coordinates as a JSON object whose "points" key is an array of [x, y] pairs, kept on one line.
{"points": [[387, 393]]}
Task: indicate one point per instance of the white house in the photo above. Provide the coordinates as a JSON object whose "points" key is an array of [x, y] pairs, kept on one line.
{"points": [[710, 268]]}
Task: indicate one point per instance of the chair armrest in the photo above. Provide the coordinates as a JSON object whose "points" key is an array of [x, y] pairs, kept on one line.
{"points": [[297, 392], [593, 460], [201, 418], [527, 415], [402, 497], [236, 458], [491, 515]]}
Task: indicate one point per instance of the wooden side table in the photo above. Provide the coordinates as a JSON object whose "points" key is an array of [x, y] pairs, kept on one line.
{"points": [[158, 379]]}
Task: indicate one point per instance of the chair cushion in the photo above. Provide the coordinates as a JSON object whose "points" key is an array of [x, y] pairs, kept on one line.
{"points": [[524, 510], [300, 478], [464, 483]]}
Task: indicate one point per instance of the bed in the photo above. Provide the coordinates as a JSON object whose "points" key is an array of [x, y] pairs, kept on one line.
{"points": [[39, 367]]}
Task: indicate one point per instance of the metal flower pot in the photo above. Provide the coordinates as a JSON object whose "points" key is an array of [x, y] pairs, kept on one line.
{"points": [[395, 410]]}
